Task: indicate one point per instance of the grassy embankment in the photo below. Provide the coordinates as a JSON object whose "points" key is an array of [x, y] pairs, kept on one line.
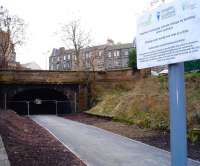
{"points": [[145, 103]]}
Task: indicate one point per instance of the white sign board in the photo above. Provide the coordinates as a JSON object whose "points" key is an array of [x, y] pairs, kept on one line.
{"points": [[169, 34]]}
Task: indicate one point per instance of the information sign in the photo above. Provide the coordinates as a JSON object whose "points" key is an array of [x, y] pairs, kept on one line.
{"points": [[169, 34]]}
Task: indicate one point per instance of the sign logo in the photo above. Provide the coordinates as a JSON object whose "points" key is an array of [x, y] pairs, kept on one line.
{"points": [[187, 5], [168, 12], [146, 21], [158, 16]]}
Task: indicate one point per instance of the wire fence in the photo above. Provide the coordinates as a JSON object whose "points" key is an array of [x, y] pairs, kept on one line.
{"points": [[59, 106]]}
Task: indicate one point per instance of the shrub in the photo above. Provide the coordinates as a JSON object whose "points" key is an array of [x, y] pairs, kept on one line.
{"points": [[194, 135], [132, 59]]}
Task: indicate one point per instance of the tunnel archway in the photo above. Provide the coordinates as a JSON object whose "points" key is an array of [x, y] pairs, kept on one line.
{"points": [[40, 101]]}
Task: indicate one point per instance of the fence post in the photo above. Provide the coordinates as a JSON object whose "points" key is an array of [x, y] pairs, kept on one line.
{"points": [[28, 107], [75, 103], [5, 101], [56, 107]]}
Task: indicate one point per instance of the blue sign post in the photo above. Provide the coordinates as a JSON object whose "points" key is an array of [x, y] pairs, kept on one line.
{"points": [[169, 35], [177, 115]]}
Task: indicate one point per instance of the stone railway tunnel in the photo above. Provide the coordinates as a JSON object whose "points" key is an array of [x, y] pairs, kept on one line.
{"points": [[42, 92], [40, 99], [51, 92]]}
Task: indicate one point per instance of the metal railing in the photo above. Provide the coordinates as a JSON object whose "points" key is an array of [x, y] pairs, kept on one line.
{"points": [[28, 102]]}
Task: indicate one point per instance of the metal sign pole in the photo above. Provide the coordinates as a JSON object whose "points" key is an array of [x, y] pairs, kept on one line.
{"points": [[178, 137]]}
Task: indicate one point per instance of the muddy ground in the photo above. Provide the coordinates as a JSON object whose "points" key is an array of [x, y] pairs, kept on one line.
{"points": [[28, 144]]}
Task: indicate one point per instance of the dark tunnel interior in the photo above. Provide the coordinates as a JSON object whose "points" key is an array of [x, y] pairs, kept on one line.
{"points": [[40, 101]]}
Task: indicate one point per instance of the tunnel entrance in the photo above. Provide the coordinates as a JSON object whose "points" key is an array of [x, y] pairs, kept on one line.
{"points": [[40, 101]]}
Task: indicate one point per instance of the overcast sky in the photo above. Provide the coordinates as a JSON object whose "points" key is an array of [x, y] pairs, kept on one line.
{"points": [[115, 19]]}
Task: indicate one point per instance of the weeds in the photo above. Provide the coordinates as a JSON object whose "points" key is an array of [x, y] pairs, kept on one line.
{"points": [[145, 103]]}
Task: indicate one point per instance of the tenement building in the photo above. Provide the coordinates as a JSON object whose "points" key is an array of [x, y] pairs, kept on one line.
{"points": [[109, 56]]}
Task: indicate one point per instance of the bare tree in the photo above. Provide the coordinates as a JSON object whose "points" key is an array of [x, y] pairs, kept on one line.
{"points": [[90, 73], [79, 40], [11, 34], [75, 38]]}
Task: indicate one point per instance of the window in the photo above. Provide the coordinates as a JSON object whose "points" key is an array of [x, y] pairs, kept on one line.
{"points": [[90, 54], [116, 53], [110, 66], [117, 63], [86, 55], [64, 57], [54, 59], [68, 57], [126, 52], [109, 54], [88, 65], [100, 53]]}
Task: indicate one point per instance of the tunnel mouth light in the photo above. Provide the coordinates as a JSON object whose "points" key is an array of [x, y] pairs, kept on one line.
{"points": [[38, 101]]}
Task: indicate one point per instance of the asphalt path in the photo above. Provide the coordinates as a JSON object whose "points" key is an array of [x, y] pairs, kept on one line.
{"points": [[97, 147]]}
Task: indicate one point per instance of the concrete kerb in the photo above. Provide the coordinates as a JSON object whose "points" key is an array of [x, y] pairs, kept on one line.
{"points": [[85, 161], [82, 159], [198, 162], [4, 161]]}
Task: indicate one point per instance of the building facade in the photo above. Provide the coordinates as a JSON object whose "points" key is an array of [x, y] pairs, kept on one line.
{"points": [[97, 58]]}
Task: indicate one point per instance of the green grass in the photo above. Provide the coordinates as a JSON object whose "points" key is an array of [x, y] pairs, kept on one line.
{"points": [[192, 75]]}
